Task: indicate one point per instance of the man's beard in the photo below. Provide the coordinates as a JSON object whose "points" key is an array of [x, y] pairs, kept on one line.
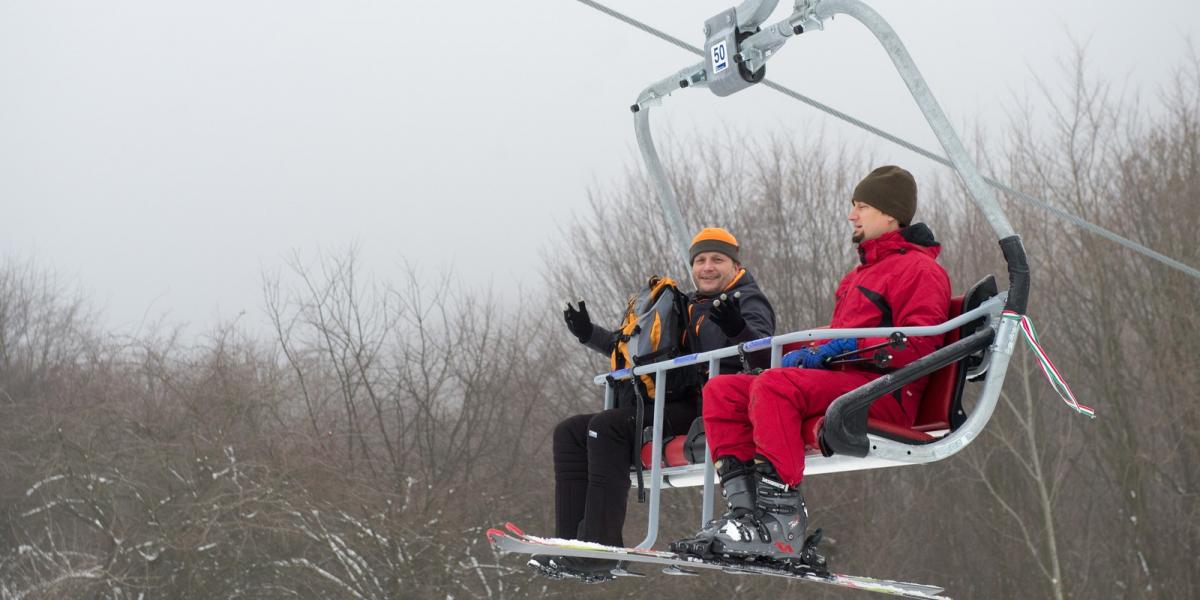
{"points": [[857, 238]]}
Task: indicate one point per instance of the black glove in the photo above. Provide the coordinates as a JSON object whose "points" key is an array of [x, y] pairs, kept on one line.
{"points": [[727, 314], [579, 322]]}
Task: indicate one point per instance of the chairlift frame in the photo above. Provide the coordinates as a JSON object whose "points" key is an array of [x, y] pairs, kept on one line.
{"points": [[737, 47]]}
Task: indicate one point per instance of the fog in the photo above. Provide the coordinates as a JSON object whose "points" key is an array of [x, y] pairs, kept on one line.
{"points": [[163, 155]]}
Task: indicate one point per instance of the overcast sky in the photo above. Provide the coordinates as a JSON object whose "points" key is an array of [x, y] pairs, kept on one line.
{"points": [[162, 153]]}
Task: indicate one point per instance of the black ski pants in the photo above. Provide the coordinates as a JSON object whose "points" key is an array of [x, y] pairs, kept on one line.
{"points": [[593, 454]]}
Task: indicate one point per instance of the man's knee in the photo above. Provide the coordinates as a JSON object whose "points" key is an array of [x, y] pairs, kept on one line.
{"points": [[778, 376], [775, 386], [722, 392], [571, 432], [720, 385], [784, 381], [612, 424]]}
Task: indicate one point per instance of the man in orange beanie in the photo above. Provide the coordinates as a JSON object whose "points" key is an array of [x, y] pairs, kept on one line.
{"points": [[592, 452]]}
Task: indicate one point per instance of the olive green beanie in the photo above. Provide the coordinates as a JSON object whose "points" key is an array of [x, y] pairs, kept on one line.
{"points": [[890, 189]]}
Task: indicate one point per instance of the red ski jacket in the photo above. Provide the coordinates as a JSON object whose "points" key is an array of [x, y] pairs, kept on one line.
{"points": [[898, 283]]}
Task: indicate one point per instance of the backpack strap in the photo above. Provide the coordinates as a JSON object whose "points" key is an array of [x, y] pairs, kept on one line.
{"points": [[639, 422]]}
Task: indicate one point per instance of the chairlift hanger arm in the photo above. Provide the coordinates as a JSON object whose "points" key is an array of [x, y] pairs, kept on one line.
{"points": [[728, 28], [752, 13]]}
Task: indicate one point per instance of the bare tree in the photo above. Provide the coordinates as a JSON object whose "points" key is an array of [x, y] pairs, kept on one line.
{"points": [[362, 450]]}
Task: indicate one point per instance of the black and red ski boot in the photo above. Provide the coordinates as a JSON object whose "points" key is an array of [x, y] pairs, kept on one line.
{"points": [[772, 531], [738, 489]]}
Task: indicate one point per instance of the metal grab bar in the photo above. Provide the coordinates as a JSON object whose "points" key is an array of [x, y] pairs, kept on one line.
{"points": [[989, 309]]}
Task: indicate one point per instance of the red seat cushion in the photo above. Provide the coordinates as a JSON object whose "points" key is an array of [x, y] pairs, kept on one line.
{"points": [[673, 455]]}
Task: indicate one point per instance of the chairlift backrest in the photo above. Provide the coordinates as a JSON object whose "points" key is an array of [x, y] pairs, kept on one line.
{"points": [[941, 406]]}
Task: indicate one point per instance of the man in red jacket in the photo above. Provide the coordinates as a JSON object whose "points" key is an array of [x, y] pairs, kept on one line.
{"points": [[753, 422]]}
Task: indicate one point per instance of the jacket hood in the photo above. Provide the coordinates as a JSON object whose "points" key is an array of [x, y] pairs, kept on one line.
{"points": [[916, 237]]}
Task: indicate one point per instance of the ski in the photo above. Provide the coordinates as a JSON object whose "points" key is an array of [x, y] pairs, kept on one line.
{"points": [[513, 539]]}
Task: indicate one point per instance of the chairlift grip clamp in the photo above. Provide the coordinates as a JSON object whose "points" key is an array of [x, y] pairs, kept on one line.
{"points": [[727, 73]]}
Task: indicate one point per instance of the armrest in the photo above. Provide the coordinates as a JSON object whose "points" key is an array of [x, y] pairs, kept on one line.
{"points": [[845, 430]]}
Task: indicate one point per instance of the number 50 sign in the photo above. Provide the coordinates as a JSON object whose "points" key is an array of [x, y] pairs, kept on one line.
{"points": [[720, 59]]}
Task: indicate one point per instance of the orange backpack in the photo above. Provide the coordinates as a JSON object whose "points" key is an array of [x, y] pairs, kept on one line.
{"points": [[652, 329]]}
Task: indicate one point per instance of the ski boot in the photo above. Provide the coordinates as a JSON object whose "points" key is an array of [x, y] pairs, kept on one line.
{"points": [[772, 532], [738, 489]]}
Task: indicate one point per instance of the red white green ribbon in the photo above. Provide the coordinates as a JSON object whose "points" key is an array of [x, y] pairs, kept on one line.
{"points": [[1052, 374]]}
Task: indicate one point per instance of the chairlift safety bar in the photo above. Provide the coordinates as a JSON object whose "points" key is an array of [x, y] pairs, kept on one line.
{"points": [[990, 309]]}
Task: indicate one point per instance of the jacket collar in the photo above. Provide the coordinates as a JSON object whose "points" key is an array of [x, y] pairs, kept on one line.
{"points": [[916, 237]]}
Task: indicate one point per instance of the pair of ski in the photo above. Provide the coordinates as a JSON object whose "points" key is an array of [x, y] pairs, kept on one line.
{"points": [[512, 539]]}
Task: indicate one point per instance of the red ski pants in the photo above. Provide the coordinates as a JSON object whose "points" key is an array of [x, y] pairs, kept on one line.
{"points": [[745, 415]]}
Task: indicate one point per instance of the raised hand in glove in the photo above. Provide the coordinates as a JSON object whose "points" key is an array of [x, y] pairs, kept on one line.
{"points": [[814, 358], [578, 321], [727, 314]]}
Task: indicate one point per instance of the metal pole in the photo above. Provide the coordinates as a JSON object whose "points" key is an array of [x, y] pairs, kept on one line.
{"points": [[666, 193], [710, 471], [660, 399]]}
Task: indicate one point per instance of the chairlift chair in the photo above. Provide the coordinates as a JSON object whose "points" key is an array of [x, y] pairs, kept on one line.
{"points": [[978, 343]]}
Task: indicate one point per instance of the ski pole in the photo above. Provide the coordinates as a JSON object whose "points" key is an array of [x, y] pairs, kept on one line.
{"points": [[881, 359], [897, 340]]}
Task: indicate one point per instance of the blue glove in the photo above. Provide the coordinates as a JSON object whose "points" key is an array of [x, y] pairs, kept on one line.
{"points": [[814, 358]]}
